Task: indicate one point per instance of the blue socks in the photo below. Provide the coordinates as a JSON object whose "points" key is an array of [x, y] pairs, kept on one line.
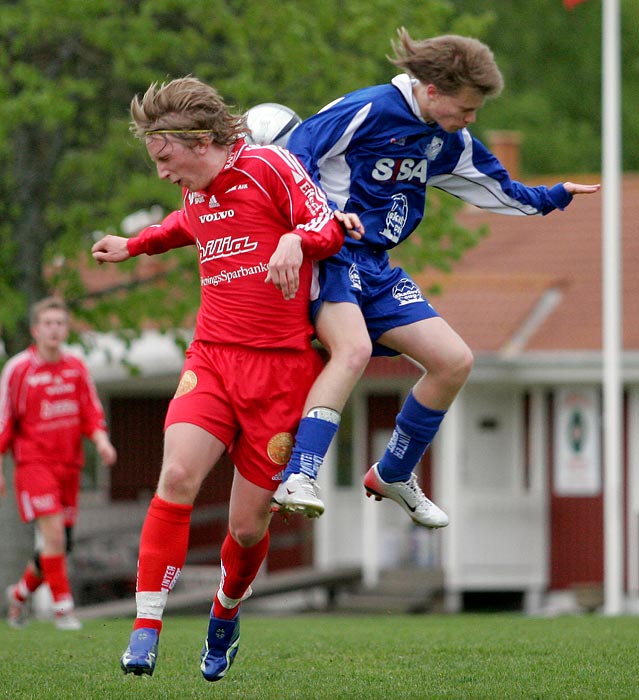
{"points": [[415, 428], [314, 436]]}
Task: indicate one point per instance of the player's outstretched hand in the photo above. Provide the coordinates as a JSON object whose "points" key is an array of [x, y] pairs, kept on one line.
{"points": [[574, 188], [110, 249], [284, 265], [351, 223]]}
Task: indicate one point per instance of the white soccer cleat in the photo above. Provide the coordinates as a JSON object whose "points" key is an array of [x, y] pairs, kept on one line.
{"points": [[17, 611], [67, 622], [298, 494], [409, 496]]}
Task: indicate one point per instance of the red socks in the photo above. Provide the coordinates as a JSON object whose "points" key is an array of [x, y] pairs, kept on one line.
{"points": [[163, 546], [54, 570], [28, 583], [240, 566]]}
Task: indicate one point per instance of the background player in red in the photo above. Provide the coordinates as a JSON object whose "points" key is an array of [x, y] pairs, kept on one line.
{"points": [[256, 217], [47, 404]]}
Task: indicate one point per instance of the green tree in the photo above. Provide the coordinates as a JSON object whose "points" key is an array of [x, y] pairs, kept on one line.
{"points": [[551, 61], [68, 69]]}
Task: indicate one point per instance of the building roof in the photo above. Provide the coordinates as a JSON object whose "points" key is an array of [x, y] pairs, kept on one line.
{"points": [[535, 283]]}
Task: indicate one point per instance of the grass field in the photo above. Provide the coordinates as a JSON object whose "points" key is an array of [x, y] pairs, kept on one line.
{"points": [[461, 657]]}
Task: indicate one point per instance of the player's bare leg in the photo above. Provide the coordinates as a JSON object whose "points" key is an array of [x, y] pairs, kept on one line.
{"points": [[342, 330]]}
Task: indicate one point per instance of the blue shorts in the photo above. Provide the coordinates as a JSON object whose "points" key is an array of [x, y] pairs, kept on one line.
{"points": [[387, 296]]}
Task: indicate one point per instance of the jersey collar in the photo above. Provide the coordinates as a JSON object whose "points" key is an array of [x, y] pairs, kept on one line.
{"points": [[404, 83]]}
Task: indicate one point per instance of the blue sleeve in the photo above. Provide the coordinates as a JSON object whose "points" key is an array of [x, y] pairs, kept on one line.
{"points": [[471, 172], [322, 141]]}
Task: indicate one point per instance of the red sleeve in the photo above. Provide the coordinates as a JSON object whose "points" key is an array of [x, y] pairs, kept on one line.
{"points": [[171, 233], [6, 409], [310, 215], [322, 244], [92, 413]]}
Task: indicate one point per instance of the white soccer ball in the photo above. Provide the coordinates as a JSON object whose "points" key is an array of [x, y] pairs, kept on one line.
{"points": [[270, 124]]}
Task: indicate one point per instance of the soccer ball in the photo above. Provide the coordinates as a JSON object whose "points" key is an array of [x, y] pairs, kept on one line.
{"points": [[270, 124]]}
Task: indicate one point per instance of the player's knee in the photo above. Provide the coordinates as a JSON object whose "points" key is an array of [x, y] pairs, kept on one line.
{"points": [[247, 534], [353, 356], [177, 483], [451, 369], [361, 354], [54, 543], [460, 365]]}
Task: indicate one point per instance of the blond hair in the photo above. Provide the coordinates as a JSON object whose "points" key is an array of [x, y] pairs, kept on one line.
{"points": [[46, 304], [188, 109], [449, 62]]}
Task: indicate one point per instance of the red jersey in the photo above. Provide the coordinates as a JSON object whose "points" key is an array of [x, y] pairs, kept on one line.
{"points": [[260, 194], [46, 408]]}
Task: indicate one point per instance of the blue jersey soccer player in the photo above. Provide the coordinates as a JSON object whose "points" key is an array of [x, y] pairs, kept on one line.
{"points": [[375, 152]]}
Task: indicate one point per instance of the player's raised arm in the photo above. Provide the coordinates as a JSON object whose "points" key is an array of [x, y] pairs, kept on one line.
{"points": [[110, 249]]}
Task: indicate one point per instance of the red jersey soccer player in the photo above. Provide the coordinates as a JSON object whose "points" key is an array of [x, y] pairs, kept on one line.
{"points": [[47, 403], [255, 216]]}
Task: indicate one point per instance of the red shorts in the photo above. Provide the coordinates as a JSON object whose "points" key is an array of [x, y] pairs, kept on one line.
{"points": [[46, 489], [250, 399]]}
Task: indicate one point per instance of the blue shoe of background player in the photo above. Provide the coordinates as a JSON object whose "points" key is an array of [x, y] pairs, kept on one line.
{"points": [[220, 647], [142, 653]]}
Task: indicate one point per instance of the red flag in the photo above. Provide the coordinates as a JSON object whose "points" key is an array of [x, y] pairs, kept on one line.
{"points": [[571, 4]]}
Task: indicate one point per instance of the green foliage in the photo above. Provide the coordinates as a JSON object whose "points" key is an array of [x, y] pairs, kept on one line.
{"points": [[72, 170], [345, 657], [551, 61]]}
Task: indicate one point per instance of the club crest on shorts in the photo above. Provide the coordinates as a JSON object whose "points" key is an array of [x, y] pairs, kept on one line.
{"points": [[353, 276], [279, 448], [407, 292], [187, 383]]}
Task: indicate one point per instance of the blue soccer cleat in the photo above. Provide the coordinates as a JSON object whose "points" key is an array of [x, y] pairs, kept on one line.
{"points": [[220, 647], [142, 653]]}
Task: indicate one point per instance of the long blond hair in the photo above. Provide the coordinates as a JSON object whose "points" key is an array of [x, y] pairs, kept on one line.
{"points": [[187, 108], [450, 62]]}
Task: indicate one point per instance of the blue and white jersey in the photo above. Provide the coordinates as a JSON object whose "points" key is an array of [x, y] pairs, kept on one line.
{"points": [[373, 154]]}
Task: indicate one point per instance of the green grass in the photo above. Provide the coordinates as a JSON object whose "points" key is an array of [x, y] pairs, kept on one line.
{"points": [[460, 657]]}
